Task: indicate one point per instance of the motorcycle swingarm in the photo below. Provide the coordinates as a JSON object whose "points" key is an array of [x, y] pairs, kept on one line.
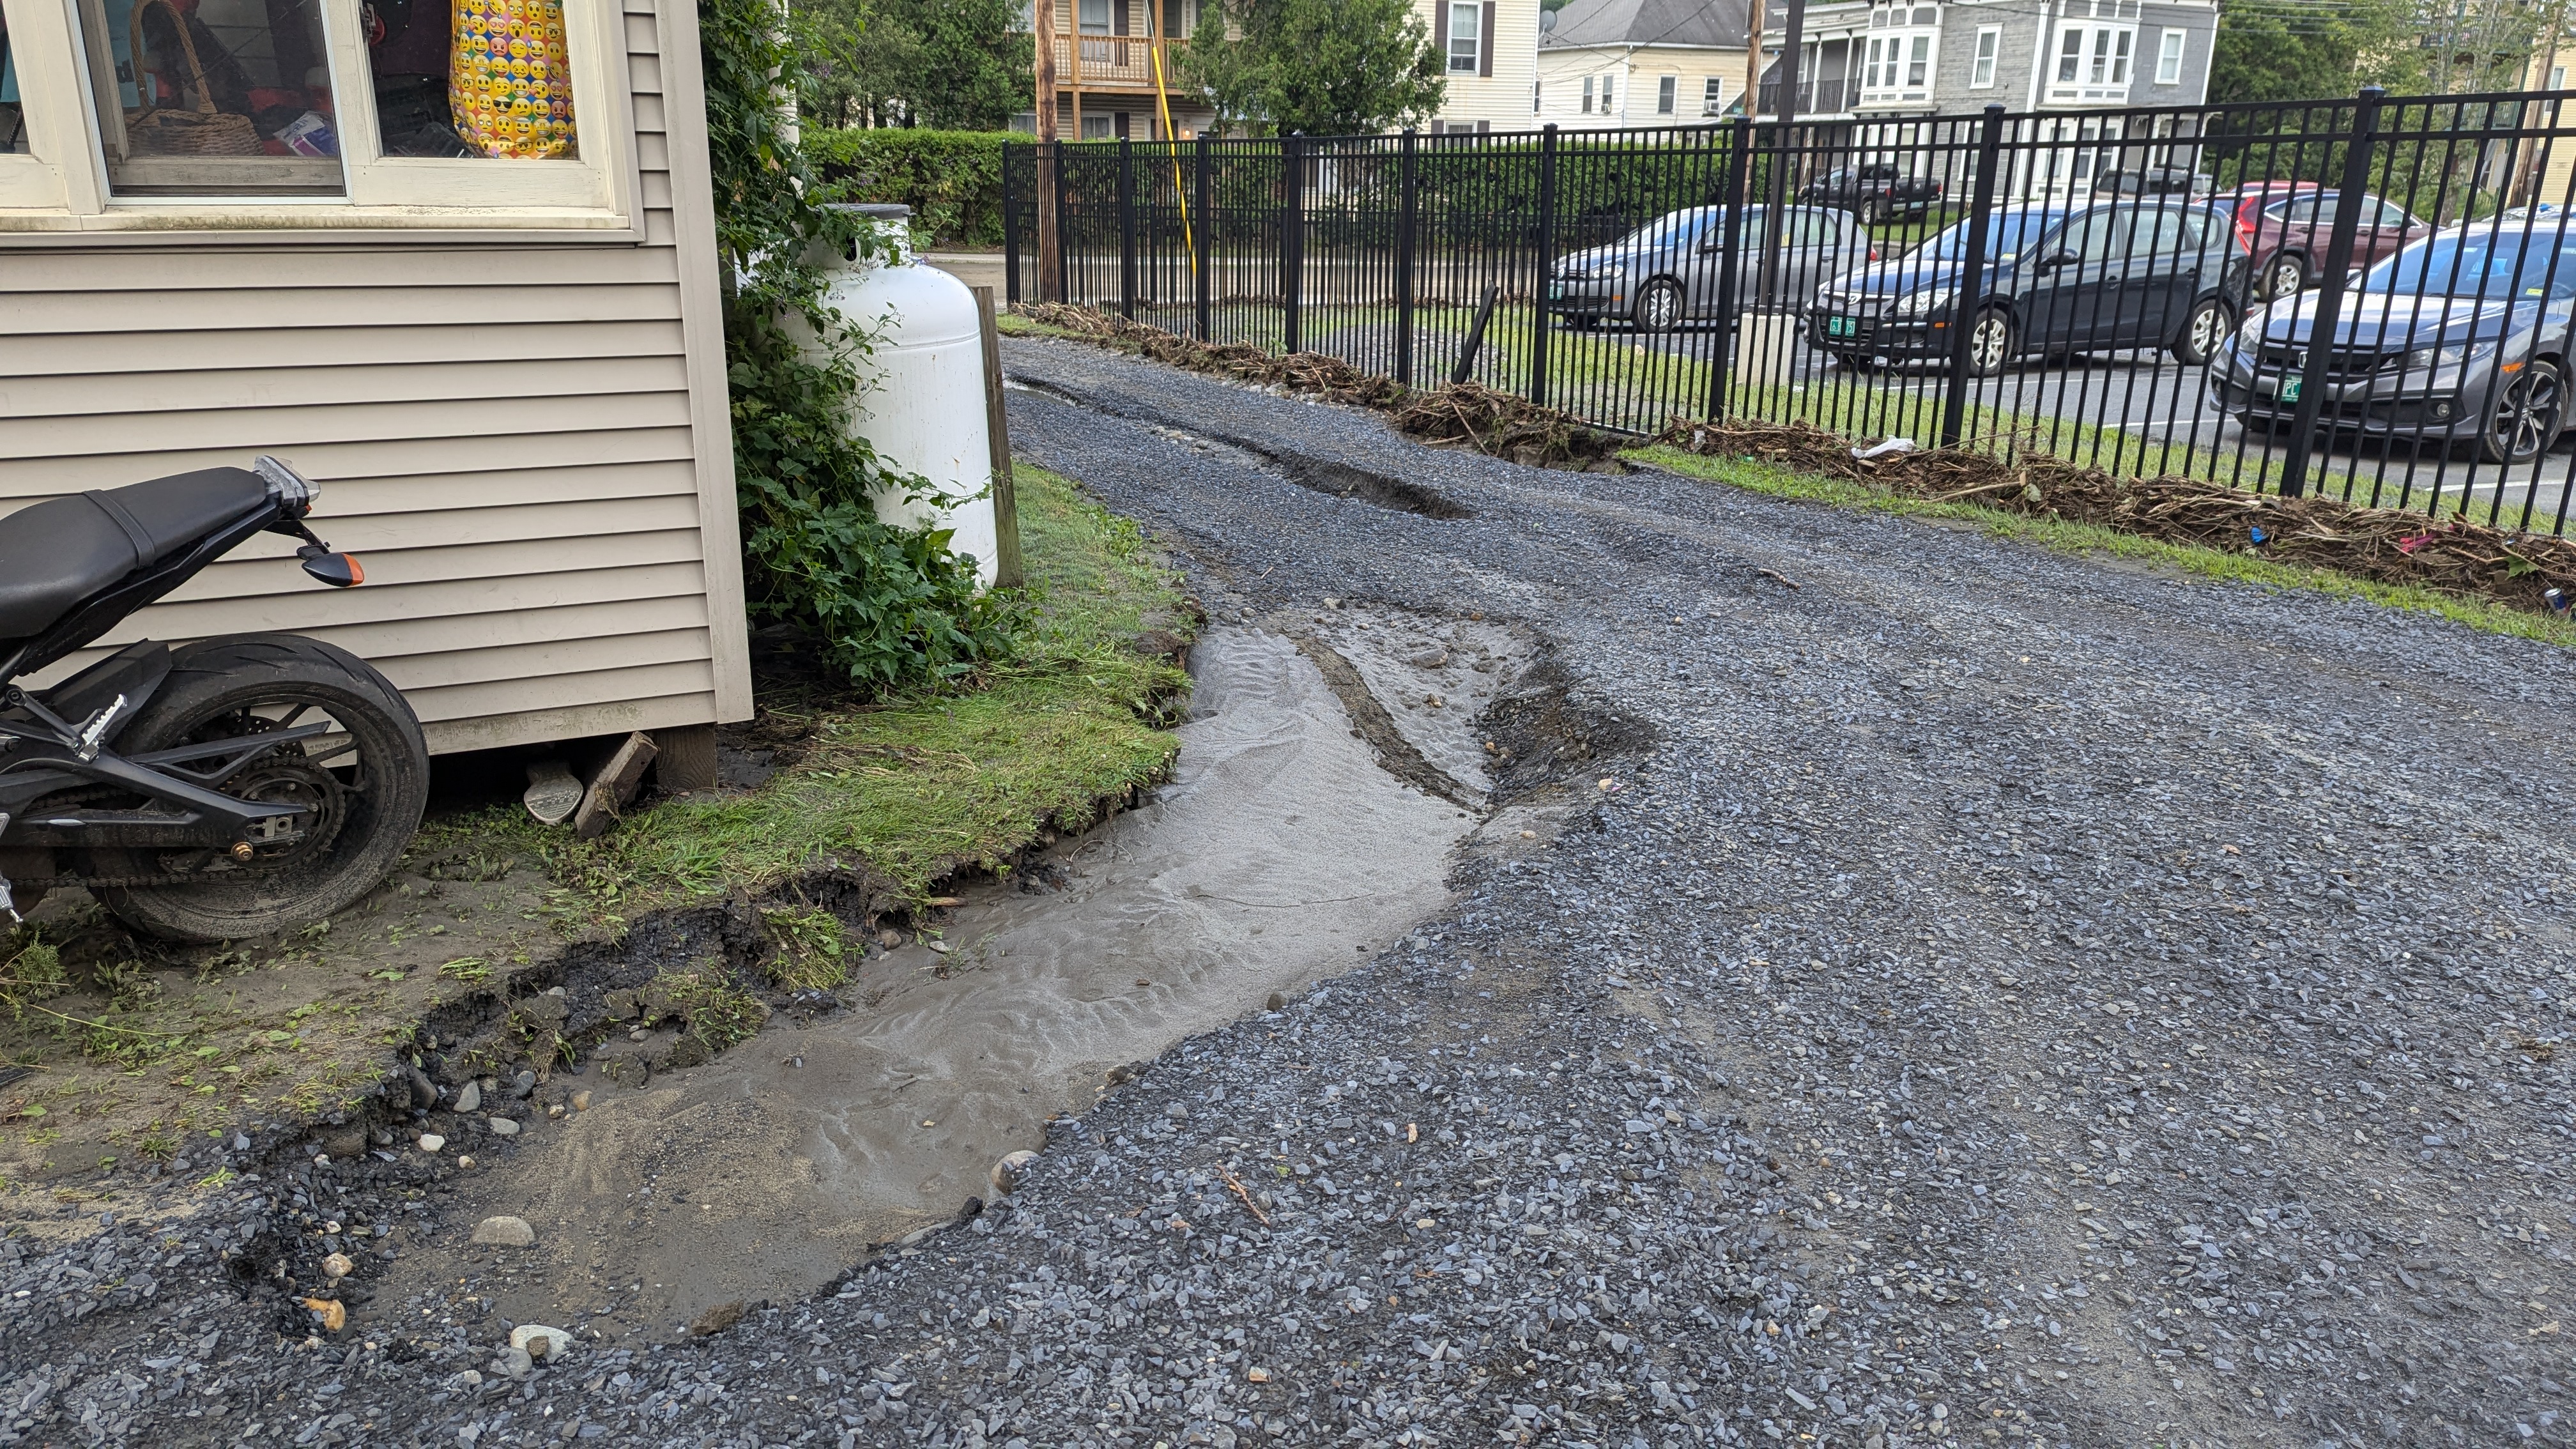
{"points": [[205, 818]]}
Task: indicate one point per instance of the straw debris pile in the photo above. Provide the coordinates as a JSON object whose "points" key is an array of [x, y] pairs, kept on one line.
{"points": [[1468, 415], [2382, 544]]}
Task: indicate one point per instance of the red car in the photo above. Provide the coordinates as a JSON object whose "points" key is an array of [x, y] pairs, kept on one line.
{"points": [[2286, 225]]}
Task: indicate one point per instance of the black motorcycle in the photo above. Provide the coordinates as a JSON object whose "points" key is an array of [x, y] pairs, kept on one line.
{"points": [[227, 789]]}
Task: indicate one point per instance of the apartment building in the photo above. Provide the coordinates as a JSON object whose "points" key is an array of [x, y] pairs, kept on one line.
{"points": [[1604, 63], [1881, 64]]}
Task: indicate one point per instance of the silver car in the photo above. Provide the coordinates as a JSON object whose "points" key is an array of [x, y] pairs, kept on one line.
{"points": [[1666, 273], [2461, 337]]}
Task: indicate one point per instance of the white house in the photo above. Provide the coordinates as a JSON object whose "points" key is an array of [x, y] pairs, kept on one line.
{"points": [[1605, 63]]}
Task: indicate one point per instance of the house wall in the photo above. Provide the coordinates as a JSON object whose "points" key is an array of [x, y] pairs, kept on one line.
{"points": [[1637, 73], [524, 441], [1502, 100]]}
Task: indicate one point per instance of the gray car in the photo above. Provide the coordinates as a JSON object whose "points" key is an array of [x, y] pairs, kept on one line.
{"points": [[2461, 337], [1666, 273]]}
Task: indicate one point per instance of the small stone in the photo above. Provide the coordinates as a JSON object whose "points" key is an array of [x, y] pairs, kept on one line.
{"points": [[334, 1314], [554, 1109], [465, 1161], [1012, 1170], [431, 1142], [471, 1377], [338, 1266], [504, 1127], [539, 1341], [516, 1362], [522, 1084], [1258, 1376], [1276, 1002], [718, 1318], [507, 1232], [581, 1100], [469, 1096], [1177, 1112], [241, 1142]]}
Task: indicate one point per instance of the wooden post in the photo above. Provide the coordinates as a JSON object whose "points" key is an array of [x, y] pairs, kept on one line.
{"points": [[1049, 233], [1008, 572]]}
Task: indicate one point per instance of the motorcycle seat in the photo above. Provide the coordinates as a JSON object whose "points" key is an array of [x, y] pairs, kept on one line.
{"points": [[57, 553]]}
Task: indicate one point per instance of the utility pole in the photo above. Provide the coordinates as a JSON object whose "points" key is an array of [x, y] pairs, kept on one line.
{"points": [[1049, 233]]}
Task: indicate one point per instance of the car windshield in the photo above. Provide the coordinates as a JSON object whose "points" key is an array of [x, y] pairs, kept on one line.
{"points": [[2008, 235], [2481, 264], [1680, 226]]}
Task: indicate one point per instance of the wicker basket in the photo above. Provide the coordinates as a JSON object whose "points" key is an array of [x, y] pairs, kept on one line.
{"points": [[169, 131]]}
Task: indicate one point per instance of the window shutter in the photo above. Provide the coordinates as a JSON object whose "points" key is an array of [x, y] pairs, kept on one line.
{"points": [[1485, 52], [1440, 31]]}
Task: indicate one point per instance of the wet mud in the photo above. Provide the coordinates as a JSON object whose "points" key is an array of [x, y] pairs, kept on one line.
{"points": [[1281, 853]]}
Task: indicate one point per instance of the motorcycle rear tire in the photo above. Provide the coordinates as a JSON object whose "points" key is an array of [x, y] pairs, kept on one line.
{"points": [[379, 804]]}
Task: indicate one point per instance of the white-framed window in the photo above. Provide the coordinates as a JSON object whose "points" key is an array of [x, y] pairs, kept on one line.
{"points": [[2169, 57], [1587, 95], [1990, 41], [177, 116], [1609, 88], [1667, 94], [2558, 77], [1712, 96], [1466, 34], [2093, 61], [1896, 65]]}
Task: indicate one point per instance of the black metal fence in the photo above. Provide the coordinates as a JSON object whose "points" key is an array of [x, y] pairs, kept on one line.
{"points": [[2367, 297]]}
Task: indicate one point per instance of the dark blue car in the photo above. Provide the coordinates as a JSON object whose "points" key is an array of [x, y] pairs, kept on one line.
{"points": [[2058, 279]]}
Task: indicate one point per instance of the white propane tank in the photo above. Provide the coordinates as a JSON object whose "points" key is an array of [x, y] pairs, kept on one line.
{"points": [[921, 405]]}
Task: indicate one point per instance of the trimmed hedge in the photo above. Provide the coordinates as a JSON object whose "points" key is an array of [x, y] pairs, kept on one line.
{"points": [[952, 180]]}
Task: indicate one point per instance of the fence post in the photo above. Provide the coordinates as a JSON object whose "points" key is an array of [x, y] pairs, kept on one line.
{"points": [[1063, 231], [1542, 263], [1730, 258], [1972, 277], [1126, 228], [1010, 236], [1404, 264], [1292, 245], [1206, 248], [2312, 374]]}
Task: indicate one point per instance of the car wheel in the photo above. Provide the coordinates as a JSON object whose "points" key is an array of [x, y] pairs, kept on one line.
{"points": [[1658, 309], [2526, 417], [2285, 276], [1993, 342], [2203, 332]]}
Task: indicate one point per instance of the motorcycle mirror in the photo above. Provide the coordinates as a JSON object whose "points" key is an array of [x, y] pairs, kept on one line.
{"points": [[339, 570]]}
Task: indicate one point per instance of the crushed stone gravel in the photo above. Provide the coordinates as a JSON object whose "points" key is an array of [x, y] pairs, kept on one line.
{"points": [[1984, 996]]}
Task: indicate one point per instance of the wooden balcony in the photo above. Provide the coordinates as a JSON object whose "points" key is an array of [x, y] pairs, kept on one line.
{"points": [[1112, 63]]}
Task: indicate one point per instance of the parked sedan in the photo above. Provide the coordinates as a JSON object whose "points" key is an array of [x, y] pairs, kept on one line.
{"points": [[2101, 278], [1667, 272], [2288, 230], [2461, 337]]}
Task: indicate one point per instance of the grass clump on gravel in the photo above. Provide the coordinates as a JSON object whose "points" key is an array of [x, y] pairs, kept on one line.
{"points": [[914, 787], [811, 950], [2070, 536]]}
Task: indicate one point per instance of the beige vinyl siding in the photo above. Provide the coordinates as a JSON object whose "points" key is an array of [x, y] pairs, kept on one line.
{"points": [[522, 442]]}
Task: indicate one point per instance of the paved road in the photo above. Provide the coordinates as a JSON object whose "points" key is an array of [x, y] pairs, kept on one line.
{"points": [[1947, 993]]}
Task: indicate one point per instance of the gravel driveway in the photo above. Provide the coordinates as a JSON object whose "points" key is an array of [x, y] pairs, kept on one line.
{"points": [[1996, 997]]}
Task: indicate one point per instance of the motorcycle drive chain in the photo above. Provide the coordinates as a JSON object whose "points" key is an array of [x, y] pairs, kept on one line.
{"points": [[96, 882]]}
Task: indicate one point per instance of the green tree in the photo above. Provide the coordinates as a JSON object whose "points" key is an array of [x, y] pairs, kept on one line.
{"points": [[954, 65], [2295, 50], [1317, 67]]}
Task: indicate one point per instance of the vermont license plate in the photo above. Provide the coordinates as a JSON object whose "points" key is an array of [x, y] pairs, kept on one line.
{"points": [[2290, 388], [1842, 327]]}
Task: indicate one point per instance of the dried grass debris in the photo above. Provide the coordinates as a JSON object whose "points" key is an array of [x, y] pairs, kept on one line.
{"points": [[2386, 545]]}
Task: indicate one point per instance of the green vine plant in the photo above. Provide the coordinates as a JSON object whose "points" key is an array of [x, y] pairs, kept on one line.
{"points": [[895, 607]]}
